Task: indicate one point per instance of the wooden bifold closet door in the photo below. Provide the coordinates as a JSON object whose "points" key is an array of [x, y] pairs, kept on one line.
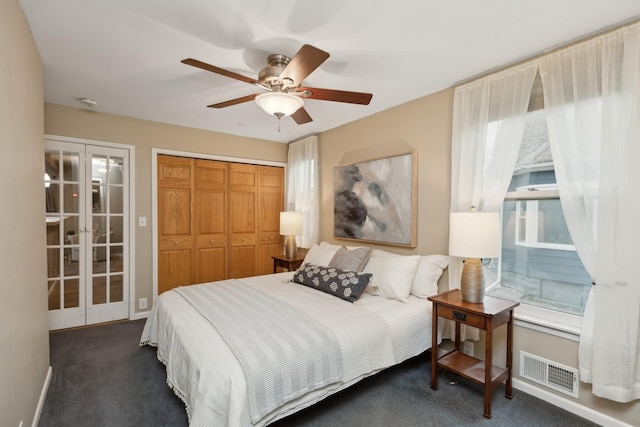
{"points": [[216, 220]]}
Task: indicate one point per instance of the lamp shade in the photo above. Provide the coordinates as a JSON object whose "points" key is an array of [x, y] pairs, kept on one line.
{"points": [[290, 223], [279, 103], [474, 234]]}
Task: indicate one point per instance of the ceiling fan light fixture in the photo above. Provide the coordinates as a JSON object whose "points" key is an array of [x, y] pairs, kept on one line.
{"points": [[279, 104]]}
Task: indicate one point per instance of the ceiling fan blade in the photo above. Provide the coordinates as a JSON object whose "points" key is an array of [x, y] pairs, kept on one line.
{"points": [[302, 64], [217, 70], [336, 95], [301, 116], [234, 101]]}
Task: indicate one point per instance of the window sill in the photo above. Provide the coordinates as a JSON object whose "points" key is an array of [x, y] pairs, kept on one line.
{"points": [[550, 322]]}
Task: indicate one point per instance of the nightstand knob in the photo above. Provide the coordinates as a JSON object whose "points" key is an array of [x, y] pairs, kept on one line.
{"points": [[459, 316], [211, 241], [175, 242]]}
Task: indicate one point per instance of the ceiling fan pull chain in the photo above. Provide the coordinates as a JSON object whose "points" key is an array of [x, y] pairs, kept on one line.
{"points": [[279, 123]]}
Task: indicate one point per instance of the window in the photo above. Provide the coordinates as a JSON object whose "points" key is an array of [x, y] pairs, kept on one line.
{"points": [[540, 222], [539, 264]]}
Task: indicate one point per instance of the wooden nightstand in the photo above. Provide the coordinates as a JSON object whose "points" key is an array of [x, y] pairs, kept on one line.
{"points": [[487, 316], [289, 264]]}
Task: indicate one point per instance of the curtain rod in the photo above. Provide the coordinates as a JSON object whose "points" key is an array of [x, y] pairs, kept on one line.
{"points": [[583, 38]]}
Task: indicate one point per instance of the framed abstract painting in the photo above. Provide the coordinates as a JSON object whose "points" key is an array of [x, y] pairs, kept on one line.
{"points": [[376, 200]]}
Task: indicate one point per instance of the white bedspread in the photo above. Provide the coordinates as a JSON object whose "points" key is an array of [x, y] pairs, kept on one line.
{"points": [[204, 372], [281, 359]]}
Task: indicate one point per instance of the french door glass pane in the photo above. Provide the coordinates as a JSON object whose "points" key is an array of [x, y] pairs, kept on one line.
{"points": [[116, 229], [116, 166], [71, 200], [115, 199], [71, 166], [53, 262], [71, 229], [99, 284], [71, 293], [116, 288], [52, 165], [53, 288], [52, 197], [116, 259]]}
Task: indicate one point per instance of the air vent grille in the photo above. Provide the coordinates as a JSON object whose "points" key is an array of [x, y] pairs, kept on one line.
{"points": [[551, 374]]}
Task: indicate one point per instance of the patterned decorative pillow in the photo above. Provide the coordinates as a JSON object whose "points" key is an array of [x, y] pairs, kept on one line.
{"points": [[348, 285]]}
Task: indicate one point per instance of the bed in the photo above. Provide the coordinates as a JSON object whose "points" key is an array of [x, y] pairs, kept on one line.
{"points": [[247, 352]]}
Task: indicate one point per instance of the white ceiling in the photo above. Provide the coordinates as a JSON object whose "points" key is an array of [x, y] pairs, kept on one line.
{"points": [[125, 54]]}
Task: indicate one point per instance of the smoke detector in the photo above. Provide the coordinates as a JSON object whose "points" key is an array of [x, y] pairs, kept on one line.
{"points": [[88, 102]]}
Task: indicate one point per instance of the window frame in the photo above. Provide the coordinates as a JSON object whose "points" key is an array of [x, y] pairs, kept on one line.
{"points": [[532, 317], [530, 195]]}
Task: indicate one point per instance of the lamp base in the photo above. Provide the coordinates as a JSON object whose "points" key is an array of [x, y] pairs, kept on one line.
{"points": [[290, 247], [472, 281]]}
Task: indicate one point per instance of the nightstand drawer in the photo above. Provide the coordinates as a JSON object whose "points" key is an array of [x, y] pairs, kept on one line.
{"points": [[463, 316]]}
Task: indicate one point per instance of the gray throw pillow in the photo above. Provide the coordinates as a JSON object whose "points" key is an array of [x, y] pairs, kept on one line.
{"points": [[351, 259]]}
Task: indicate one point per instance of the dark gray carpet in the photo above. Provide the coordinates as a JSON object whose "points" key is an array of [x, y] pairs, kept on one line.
{"points": [[102, 378]]}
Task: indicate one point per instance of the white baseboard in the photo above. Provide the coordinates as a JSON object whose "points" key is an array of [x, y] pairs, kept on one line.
{"points": [[569, 405], [141, 315], [43, 396]]}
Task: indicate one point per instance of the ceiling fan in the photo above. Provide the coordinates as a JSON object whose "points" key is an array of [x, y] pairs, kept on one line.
{"points": [[282, 80]]}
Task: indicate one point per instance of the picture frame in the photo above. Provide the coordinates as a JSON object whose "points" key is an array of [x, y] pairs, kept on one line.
{"points": [[376, 200]]}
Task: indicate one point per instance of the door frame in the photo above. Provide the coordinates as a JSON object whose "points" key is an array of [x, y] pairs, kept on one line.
{"points": [[154, 192], [132, 210]]}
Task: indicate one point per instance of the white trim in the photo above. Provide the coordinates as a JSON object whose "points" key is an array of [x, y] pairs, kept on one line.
{"points": [[154, 192], [90, 142], [132, 204], [568, 405], [140, 315], [156, 151], [133, 225], [552, 322], [43, 396]]}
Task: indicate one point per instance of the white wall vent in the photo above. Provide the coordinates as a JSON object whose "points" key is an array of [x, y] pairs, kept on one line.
{"points": [[551, 374]]}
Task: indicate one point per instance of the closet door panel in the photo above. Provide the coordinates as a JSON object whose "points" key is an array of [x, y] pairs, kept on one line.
{"points": [[211, 220], [212, 264], [174, 269], [243, 261], [270, 203], [174, 212], [175, 222], [243, 251]]}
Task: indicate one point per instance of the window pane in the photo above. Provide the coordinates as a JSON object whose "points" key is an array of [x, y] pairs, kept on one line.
{"points": [[539, 265], [71, 198], [71, 165], [552, 227], [545, 274], [115, 170]]}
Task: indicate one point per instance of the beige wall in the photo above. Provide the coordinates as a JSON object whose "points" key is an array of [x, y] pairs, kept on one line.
{"points": [[24, 339], [423, 126], [145, 135]]}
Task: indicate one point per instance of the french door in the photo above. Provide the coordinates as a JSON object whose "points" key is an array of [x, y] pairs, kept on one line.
{"points": [[87, 222]]}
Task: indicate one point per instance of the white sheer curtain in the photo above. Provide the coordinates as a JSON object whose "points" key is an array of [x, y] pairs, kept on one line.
{"points": [[488, 122], [592, 98], [302, 187]]}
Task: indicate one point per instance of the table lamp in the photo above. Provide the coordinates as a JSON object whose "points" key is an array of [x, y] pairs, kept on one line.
{"points": [[290, 226], [474, 235]]}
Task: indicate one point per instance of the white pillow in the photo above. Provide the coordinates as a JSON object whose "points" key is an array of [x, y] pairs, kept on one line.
{"points": [[392, 275], [430, 268], [330, 245], [320, 255]]}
